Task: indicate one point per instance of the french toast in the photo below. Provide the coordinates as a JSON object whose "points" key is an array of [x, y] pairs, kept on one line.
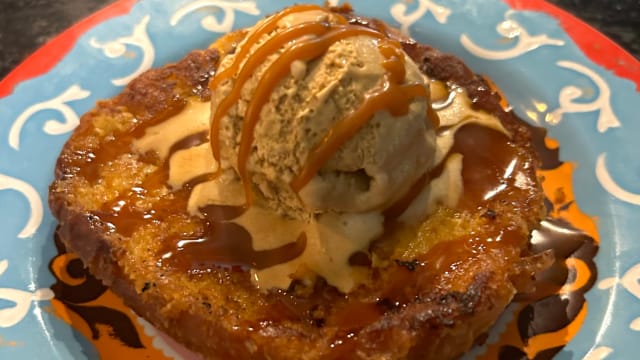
{"points": [[432, 294]]}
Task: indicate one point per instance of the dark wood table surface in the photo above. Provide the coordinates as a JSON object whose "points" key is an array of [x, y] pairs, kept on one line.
{"points": [[25, 25]]}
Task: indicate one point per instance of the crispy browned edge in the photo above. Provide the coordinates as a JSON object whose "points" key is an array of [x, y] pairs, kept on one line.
{"points": [[440, 323]]}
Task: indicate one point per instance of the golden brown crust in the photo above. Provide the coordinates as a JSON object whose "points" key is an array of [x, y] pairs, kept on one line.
{"points": [[433, 305]]}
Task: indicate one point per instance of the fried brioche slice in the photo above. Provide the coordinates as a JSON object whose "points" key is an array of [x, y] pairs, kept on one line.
{"points": [[436, 290]]}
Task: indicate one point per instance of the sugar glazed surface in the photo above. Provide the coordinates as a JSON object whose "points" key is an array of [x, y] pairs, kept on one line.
{"points": [[317, 186]]}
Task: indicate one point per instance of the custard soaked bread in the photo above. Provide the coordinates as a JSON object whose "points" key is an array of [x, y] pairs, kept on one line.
{"points": [[175, 194]]}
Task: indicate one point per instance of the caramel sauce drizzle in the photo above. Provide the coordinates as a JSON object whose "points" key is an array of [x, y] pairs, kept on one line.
{"points": [[392, 95], [266, 27]]}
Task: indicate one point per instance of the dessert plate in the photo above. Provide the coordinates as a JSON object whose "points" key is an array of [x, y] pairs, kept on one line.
{"points": [[556, 72]]}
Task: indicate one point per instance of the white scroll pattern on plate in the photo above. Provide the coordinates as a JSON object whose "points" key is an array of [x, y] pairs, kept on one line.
{"points": [[607, 182], [22, 299], [598, 353], [606, 118], [52, 127], [118, 47], [510, 29], [629, 282], [210, 22], [399, 11], [32, 196]]}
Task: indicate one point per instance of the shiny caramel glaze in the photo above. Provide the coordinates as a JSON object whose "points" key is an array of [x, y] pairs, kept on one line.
{"points": [[434, 292], [225, 244]]}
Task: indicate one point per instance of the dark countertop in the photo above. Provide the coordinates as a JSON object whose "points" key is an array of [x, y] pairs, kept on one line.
{"points": [[26, 25]]}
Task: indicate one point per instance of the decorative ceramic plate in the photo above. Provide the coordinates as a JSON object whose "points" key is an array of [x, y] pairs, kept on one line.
{"points": [[555, 71]]}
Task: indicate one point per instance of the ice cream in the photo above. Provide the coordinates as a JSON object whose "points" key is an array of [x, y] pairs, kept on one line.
{"points": [[370, 170]]}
